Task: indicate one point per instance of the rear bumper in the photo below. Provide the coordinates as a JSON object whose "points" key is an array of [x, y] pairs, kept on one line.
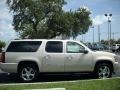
{"points": [[9, 67]]}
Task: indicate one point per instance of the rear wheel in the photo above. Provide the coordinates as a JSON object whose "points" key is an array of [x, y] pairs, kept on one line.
{"points": [[103, 70], [28, 72]]}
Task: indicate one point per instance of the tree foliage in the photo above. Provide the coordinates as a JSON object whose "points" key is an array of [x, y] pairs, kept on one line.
{"points": [[118, 41], [47, 19], [2, 45], [112, 41]]}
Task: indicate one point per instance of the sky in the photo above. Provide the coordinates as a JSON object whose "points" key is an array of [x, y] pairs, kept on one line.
{"points": [[97, 7]]}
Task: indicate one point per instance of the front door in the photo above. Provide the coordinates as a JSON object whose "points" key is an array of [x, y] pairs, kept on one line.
{"points": [[76, 60]]}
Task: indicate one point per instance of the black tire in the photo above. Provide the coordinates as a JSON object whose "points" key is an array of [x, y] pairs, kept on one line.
{"points": [[28, 72], [103, 70]]}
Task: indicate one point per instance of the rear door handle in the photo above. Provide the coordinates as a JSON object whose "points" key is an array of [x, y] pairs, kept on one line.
{"points": [[69, 57], [47, 57]]}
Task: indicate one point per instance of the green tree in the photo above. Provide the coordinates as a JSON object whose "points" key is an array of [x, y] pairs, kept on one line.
{"points": [[46, 19], [2, 45], [112, 41], [118, 41]]}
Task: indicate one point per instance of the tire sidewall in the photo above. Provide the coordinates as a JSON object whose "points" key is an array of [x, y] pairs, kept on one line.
{"points": [[25, 66], [98, 67]]}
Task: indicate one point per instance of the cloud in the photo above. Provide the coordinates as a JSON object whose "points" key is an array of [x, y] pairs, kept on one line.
{"points": [[99, 19], [85, 7], [6, 29], [1, 33], [5, 26], [5, 14]]}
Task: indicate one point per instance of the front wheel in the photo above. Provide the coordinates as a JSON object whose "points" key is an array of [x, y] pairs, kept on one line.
{"points": [[103, 70], [28, 73]]}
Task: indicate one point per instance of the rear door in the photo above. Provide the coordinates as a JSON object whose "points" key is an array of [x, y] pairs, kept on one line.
{"points": [[53, 57]]}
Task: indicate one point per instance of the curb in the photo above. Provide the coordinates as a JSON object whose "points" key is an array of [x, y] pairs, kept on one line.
{"points": [[57, 82]]}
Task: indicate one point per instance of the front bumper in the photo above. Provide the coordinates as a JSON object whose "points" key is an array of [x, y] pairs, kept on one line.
{"points": [[116, 67], [9, 67]]}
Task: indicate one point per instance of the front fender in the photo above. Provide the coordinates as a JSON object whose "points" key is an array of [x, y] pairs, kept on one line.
{"points": [[104, 58]]}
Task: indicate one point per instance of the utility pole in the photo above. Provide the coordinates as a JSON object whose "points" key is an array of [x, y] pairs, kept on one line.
{"points": [[109, 28], [99, 34], [113, 35], [93, 33]]}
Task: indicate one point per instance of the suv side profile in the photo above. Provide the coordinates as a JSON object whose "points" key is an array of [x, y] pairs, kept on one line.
{"points": [[32, 56]]}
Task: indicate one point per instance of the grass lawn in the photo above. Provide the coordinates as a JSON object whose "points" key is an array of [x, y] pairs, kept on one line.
{"points": [[109, 84]]}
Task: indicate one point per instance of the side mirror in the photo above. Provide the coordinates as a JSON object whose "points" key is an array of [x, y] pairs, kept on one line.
{"points": [[84, 51]]}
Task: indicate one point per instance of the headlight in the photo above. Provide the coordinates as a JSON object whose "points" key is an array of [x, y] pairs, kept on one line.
{"points": [[117, 58]]}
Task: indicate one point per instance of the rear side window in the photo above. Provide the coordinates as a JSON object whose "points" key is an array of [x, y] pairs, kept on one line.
{"points": [[54, 47], [24, 46]]}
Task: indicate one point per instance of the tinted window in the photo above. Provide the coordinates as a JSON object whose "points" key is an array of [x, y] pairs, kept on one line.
{"points": [[24, 46], [73, 47], [54, 47]]}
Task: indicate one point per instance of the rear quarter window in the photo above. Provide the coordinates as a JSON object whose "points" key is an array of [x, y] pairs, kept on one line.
{"points": [[24, 46]]}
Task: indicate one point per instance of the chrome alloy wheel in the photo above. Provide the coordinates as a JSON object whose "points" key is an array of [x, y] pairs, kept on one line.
{"points": [[103, 72], [28, 74]]}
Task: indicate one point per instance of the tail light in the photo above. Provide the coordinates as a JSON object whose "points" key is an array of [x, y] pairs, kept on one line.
{"points": [[2, 57]]}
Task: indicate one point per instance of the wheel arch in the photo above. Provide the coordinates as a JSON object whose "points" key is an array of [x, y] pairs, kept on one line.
{"points": [[104, 61], [21, 63]]}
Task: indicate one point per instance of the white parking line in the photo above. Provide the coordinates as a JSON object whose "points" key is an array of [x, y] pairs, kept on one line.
{"points": [[56, 82], [48, 89]]}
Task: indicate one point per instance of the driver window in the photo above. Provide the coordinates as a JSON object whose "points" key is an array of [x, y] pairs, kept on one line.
{"points": [[73, 47]]}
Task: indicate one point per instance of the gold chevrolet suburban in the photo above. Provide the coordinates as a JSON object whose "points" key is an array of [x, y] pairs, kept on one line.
{"points": [[32, 56]]}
